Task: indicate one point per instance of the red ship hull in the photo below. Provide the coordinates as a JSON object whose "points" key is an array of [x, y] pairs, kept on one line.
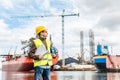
{"points": [[113, 62], [18, 64], [22, 63]]}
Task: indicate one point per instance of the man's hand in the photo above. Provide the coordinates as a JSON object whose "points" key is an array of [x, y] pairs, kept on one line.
{"points": [[40, 56], [53, 55]]}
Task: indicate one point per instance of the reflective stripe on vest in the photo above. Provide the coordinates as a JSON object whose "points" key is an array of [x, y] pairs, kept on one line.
{"points": [[47, 58]]}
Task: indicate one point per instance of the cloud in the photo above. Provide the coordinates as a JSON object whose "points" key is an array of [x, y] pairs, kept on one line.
{"points": [[96, 7], [110, 20], [3, 25], [6, 4], [102, 16], [12, 37], [4, 30], [5, 38]]}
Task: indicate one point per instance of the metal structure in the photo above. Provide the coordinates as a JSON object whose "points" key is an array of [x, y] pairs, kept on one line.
{"points": [[81, 46], [91, 44]]}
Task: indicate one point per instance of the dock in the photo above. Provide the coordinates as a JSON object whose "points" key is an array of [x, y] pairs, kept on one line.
{"points": [[76, 68]]}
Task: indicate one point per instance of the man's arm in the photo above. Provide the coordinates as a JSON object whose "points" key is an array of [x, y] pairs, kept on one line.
{"points": [[32, 52]]}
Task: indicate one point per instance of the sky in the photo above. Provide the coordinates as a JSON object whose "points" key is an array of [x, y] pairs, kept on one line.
{"points": [[19, 18]]}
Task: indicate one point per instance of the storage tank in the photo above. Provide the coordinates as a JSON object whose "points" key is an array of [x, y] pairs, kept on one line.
{"points": [[99, 49]]}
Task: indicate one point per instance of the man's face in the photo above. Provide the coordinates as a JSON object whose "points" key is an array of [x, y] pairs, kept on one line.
{"points": [[43, 34]]}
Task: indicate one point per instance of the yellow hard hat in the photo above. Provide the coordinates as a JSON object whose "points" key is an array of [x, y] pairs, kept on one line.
{"points": [[39, 29]]}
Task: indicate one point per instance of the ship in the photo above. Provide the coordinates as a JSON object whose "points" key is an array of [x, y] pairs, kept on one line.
{"points": [[17, 63], [104, 61], [21, 62]]}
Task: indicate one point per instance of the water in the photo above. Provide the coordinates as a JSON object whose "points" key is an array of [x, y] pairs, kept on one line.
{"points": [[61, 75]]}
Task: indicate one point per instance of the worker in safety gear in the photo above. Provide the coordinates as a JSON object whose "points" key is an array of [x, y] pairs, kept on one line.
{"points": [[42, 61]]}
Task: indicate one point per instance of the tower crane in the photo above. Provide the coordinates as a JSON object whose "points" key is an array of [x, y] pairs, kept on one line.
{"points": [[62, 16]]}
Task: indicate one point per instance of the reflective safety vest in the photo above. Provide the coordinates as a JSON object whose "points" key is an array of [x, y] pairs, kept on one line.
{"points": [[47, 58]]}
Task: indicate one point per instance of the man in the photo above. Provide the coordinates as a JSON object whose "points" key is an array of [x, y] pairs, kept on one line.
{"points": [[42, 61]]}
